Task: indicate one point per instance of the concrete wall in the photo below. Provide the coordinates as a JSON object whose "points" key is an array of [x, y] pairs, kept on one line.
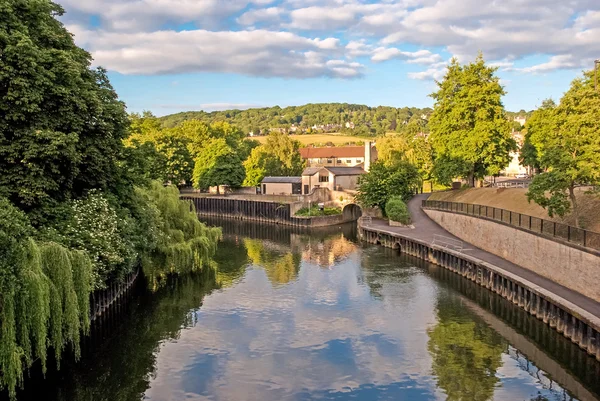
{"points": [[347, 181], [277, 188], [568, 266]]}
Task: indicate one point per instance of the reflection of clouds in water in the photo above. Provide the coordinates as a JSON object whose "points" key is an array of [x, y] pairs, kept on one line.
{"points": [[323, 333]]}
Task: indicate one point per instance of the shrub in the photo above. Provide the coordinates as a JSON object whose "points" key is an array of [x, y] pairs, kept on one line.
{"points": [[396, 210], [315, 211]]}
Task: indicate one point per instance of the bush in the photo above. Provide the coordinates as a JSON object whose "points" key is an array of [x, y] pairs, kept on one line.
{"points": [[315, 211], [396, 210]]}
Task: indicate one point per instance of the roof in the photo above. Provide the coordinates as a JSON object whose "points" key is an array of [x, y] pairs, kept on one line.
{"points": [[332, 152], [338, 171], [311, 170], [346, 170], [282, 180]]}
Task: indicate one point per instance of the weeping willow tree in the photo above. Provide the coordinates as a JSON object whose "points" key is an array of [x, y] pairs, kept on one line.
{"points": [[44, 298], [183, 243]]}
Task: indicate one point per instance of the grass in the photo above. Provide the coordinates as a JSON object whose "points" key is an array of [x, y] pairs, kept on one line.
{"points": [[320, 139], [315, 211], [514, 199]]}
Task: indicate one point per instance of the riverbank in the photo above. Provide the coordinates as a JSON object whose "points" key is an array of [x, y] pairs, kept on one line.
{"points": [[569, 312]]}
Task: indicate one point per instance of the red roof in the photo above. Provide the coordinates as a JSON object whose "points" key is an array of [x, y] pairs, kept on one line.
{"points": [[332, 152]]}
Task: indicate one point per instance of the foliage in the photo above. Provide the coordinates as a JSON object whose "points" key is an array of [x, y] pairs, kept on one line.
{"points": [[568, 147], [279, 156], [184, 244], [61, 123], [309, 118], [384, 181], [468, 125], [415, 149], [39, 306], [95, 227], [316, 211], [396, 210], [218, 164]]}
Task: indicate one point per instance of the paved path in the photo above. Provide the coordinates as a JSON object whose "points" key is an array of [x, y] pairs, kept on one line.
{"points": [[425, 228]]}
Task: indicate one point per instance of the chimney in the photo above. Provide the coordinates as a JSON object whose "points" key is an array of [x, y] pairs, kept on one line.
{"points": [[367, 156]]}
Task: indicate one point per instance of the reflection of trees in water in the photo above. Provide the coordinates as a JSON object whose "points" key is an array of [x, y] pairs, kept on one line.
{"points": [[466, 352], [281, 266], [231, 260], [121, 369]]}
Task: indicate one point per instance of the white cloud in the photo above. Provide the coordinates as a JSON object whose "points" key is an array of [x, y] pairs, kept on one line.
{"points": [[417, 57], [257, 52], [271, 14], [505, 31]]}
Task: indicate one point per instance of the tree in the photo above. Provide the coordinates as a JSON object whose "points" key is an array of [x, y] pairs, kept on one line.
{"points": [[62, 123], [568, 146], [468, 124], [537, 127], [279, 156], [218, 164], [415, 149], [386, 180]]}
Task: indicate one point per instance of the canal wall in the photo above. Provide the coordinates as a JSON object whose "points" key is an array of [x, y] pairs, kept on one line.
{"points": [[268, 212], [575, 323], [563, 263]]}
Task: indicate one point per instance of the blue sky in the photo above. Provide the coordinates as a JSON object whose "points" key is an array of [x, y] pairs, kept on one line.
{"points": [[176, 55]]}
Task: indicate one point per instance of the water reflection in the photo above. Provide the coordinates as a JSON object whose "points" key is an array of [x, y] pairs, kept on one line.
{"points": [[296, 315]]}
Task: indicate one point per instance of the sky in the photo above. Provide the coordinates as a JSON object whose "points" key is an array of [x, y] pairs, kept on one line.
{"points": [[168, 56]]}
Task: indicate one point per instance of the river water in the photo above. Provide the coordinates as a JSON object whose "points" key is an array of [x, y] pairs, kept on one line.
{"points": [[319, 316]]}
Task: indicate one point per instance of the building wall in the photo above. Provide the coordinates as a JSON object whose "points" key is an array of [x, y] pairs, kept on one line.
{"points": [[333, 162], [563, 264], [346, 181], [278, 188], [514, 167]]}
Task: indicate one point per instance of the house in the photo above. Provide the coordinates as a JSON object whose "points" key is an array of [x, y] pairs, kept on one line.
{"points": [[340, 156], [521, 120], [333, 178], [281, 185]]}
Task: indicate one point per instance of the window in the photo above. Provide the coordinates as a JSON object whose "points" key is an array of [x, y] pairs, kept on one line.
{"points": [[339, 161], [329, 161], [359, 160], [348, 161], [323, 178]]}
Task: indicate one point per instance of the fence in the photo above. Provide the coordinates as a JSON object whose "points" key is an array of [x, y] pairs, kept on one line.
{"points": [[546, 228]]}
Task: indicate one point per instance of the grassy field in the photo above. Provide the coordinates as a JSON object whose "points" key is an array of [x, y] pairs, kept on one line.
{"points": [[320, 139], [514, 199]]}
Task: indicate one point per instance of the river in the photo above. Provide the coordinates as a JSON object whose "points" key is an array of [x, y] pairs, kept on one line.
{"points": [[317, 315]]}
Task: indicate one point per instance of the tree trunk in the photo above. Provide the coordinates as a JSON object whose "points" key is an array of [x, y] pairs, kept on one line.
{"points": [[471, 178], [574, 203]]}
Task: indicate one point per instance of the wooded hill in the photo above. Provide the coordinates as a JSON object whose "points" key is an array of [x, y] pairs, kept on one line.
{"points": [[333, 116], [328, 117]]}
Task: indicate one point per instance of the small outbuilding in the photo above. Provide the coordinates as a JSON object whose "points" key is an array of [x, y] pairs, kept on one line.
{"points": [[281, 186]]}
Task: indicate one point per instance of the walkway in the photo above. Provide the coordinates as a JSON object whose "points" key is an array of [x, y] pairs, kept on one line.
{"points": [[425, 228]]}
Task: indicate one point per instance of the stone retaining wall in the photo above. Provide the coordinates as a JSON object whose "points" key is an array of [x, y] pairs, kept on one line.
{"points": [[571, 267]]}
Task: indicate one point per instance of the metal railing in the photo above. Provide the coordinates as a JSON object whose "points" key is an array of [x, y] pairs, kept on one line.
{"points": [[447, 242], [546, 228]]}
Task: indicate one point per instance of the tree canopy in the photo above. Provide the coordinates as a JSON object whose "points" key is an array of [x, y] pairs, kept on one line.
{"points": [[567, 147], [383, 181], [62, 122], [279, 156], [470, 132]]}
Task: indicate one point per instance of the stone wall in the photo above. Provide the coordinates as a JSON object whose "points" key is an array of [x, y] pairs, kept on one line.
{"points": [[566, 265]]}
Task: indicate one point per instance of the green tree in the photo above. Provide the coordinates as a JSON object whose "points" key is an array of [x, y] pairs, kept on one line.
{"points": [[415, 149], [537, 127], [568, 147], [468, 124], [384, 181], [62, 123], [218, 164], [279, 156]]}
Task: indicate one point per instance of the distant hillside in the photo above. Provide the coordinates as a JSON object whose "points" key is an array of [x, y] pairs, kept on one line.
{"points": [[346, 118]]}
